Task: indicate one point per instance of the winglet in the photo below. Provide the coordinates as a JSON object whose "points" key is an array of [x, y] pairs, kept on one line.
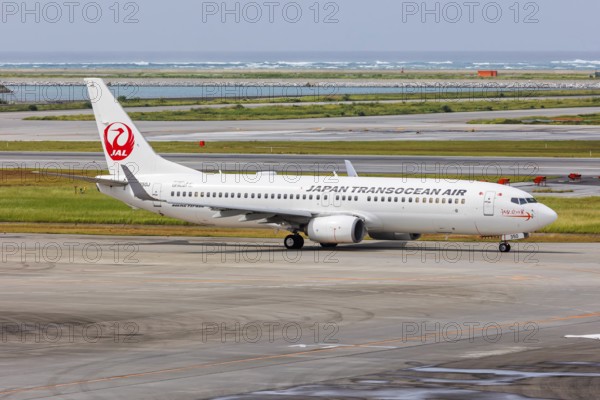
{"points": [[350, 169], [138, 190]]}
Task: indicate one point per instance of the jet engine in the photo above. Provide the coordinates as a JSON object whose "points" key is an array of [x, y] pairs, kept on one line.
{"points": [[336, 229]]}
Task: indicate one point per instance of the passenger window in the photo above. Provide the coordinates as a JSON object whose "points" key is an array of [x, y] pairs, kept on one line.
{"points": [[259, 195], [449, 201], [184, 194], [368, 198], [375, 198], [355, 198], [410, 199], [437, 200], [226, 195], [444, 201], [303, 197], [245, 195], [252, 195], [310, 197], [463, 201], [337, 198], [172, 194], [416, 199]]}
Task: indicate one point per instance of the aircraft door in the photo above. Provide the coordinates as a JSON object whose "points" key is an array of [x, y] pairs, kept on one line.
{"points": [[156, 190], [488, 204]]}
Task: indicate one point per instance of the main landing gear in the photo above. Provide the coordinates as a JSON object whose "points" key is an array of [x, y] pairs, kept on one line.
{"points": [[504, 247], [293, 242]]}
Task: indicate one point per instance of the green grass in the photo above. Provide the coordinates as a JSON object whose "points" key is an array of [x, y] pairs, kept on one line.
{"points": [[580, 119], [575, 215], [30, 199], [572, 148], [239, 112], [418, 94]]}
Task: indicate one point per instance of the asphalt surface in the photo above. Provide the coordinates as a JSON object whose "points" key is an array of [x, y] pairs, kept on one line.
{"points": [[447, 126], [426, 165], [190, 318]]}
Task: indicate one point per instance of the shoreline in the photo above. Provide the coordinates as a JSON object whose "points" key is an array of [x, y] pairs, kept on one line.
{"points": [[551, 79]]}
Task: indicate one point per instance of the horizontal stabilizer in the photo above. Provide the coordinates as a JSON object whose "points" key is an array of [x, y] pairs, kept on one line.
{"points": [[102, 181]]}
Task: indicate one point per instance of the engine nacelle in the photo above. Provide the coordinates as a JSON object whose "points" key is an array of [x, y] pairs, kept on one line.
{"points": [[336, 229], [395, 236]]}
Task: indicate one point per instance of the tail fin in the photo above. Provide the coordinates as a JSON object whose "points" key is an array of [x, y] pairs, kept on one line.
{"points": [[122, 142]]}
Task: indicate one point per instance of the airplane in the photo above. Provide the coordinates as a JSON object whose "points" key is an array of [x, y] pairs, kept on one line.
{"points": [[329, 210]]}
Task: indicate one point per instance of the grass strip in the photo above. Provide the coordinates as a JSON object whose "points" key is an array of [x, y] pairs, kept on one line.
{"points": [[492, 148], [579, 119], [283, 112]]}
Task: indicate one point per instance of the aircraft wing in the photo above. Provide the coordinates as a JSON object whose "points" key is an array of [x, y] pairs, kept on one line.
{"points": [[247, 214]]}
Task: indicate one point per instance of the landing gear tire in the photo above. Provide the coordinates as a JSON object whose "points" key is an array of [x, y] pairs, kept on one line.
{"points": [[504, 247], [328, 245], [293, 242]]}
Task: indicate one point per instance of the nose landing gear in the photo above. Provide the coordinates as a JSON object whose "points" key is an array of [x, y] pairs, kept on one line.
{"points": [[504, 247]]}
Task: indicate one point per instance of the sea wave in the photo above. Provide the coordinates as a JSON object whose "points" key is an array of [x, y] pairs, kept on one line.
{"points": [[283, 64]]}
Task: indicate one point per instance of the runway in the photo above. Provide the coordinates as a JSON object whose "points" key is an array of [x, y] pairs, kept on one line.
{"points": [[464, 167], [91, 317], [444, 126]]}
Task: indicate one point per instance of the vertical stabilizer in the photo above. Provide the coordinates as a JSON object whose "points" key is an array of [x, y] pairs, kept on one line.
{"points": [[122, 142]]}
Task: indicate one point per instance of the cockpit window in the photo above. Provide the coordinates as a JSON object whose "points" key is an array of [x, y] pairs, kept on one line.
{"points": [[523, 200]]}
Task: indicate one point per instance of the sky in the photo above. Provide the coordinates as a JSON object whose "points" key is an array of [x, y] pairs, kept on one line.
{"points": [[298, 26]]}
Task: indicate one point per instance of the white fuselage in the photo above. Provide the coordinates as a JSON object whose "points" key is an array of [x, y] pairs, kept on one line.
{"points": [[387, 205]]}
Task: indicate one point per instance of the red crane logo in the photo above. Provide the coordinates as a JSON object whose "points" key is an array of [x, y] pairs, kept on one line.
{"points": [[119, 141]]}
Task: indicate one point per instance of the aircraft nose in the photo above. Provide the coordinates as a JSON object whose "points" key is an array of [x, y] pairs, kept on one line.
{"points": [[547, 215]]}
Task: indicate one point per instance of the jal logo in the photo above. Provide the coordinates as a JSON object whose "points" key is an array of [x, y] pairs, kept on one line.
{"points": [[119, 141]]}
